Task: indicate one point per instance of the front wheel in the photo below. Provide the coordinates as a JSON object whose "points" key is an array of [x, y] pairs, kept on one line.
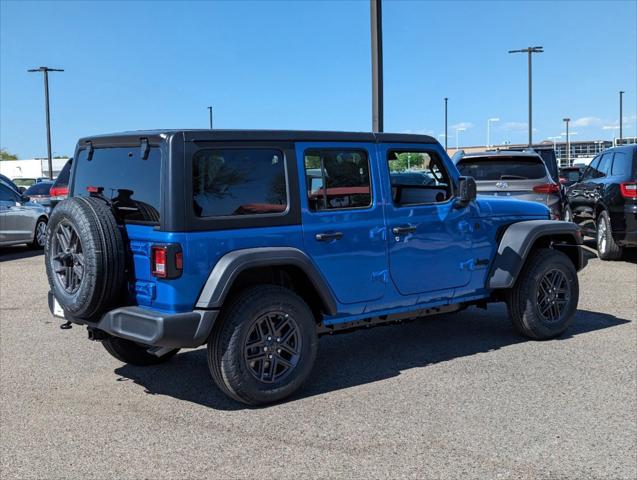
{"points": [[544, 299], [264, 346], [39, 235]]}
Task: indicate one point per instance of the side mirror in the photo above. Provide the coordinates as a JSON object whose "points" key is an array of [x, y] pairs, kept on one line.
{"points": [[25, 199], [22, 189], [467, 192]]}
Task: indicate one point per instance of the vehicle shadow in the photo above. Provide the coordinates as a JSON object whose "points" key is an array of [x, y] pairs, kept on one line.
{"points": [[362, 357], [17, 253]]}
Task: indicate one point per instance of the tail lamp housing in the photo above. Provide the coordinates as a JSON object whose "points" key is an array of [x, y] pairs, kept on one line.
{"points": [[547, 188], [166, 261], [628, 189]]}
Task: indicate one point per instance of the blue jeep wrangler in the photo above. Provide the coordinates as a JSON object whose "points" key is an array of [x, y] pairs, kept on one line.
{"points": [[258, 242]]}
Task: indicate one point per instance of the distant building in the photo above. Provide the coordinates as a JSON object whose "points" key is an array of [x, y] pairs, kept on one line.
{"points": [[33, 168], [582, 151]]}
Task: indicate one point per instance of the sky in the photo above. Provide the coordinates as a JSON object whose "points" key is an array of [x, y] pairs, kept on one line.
{"points": [[307, 65]]}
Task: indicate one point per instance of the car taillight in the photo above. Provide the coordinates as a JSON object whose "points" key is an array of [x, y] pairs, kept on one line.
{"points": [[167, 261], [546, 188], [563, 180], [629, 189], [59, 192]]}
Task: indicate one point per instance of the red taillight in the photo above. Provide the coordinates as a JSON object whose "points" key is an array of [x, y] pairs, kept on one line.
{"points": [[563, 180], [629, 189], [159, 262], [546, 188], [167, 261], [59, 191]]}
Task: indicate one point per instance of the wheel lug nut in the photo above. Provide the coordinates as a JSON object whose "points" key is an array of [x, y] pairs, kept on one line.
{"points": [[269, 356], [278, 350], [265, 349], [278, 339], [269, 338]]}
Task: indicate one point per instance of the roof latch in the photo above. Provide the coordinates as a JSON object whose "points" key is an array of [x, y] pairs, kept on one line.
{"points": [[145, 149]]}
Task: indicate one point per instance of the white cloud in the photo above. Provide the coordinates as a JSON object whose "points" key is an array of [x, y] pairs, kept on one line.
{"points": [[462, 125], [514, 126], [588, 122]]}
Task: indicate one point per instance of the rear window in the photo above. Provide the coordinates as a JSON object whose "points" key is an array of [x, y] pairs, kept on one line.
{"points": [[502, 168], [127, 179], [239, 181], [571, 175], [41, 188]]}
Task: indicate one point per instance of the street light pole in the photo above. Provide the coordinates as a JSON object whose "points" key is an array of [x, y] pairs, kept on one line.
{"points": [[621, 116], [210, 112], [530, 51], [446, 101], [489, 130], [568, 142], [46, 71], [376, 17]]}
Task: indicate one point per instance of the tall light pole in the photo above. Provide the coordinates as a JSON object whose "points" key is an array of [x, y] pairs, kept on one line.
{"points": [[46, 71], [566, 120], [489, 129], [530, 51], [376, 18], [621, 116], [210, 112], [446, 124], [459, 129]]}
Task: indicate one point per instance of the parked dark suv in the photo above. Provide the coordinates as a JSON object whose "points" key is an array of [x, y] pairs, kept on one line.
{"points": [[604, 201], [258, 242]]}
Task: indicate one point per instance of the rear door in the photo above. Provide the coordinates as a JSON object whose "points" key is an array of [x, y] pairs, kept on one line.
{"points": [[429, 240], [343, 228]]}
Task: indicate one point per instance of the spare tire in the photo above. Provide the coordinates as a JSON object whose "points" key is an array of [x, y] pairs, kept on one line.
{"points": [[85, 257]]}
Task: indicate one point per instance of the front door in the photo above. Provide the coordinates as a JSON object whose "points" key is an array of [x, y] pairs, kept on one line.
{"points": [[429, 238], [343, 229]]}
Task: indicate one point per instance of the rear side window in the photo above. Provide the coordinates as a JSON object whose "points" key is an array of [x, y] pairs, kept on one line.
{"points": [[622, 165], [503, 168], [239, 181], [337, 179], [41, 188], [127, 179], [63, 177]]}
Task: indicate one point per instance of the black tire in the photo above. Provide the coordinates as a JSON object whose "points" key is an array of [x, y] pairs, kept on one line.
{"points": [[133, 353], [607, 249], [85, 257], [228, 350], [529, 297], [39, 234]]}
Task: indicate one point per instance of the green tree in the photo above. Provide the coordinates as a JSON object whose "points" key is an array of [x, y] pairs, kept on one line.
{"points": [[5, 155]]}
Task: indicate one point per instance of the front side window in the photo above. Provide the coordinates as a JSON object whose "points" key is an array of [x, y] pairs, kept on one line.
{"points": [[591, 170], [6, 195], [418, 178], [239, 181], [337, 179], [131, 182]]}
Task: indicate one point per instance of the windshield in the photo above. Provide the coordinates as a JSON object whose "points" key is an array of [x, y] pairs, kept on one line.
{"points": [[502, 168], [132, 183]]}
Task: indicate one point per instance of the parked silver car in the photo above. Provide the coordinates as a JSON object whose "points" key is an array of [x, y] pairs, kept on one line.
{"points": [[519, 175], [21, 221]]}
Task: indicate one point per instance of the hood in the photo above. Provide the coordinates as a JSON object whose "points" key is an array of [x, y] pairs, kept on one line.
{"points": [[505, 207]]}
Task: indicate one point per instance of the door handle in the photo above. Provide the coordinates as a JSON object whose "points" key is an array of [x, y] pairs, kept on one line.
{"points": [[403, 230], [327, 236]]}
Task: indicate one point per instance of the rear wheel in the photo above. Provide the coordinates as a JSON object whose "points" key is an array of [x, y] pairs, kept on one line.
{"points": [[264, 346], [134, 353], [606, 246], [543, 302]]}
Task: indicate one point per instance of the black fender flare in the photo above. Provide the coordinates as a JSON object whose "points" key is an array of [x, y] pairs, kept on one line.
{"points": [[517, 241], [228, 268]]}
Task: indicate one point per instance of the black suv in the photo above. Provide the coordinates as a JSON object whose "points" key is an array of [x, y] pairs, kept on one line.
{"points": [[604, 201]]}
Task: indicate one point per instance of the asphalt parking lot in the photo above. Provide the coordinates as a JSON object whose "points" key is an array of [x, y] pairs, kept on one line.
{"points": [[459, 396]]}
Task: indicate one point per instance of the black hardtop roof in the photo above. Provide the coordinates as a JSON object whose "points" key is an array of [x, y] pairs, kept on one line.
{"points": [[262, 135], [495, 154]]}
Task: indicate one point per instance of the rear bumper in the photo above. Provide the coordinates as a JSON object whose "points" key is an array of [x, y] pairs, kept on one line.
{"points": [[625, 226], [155, 328]]}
